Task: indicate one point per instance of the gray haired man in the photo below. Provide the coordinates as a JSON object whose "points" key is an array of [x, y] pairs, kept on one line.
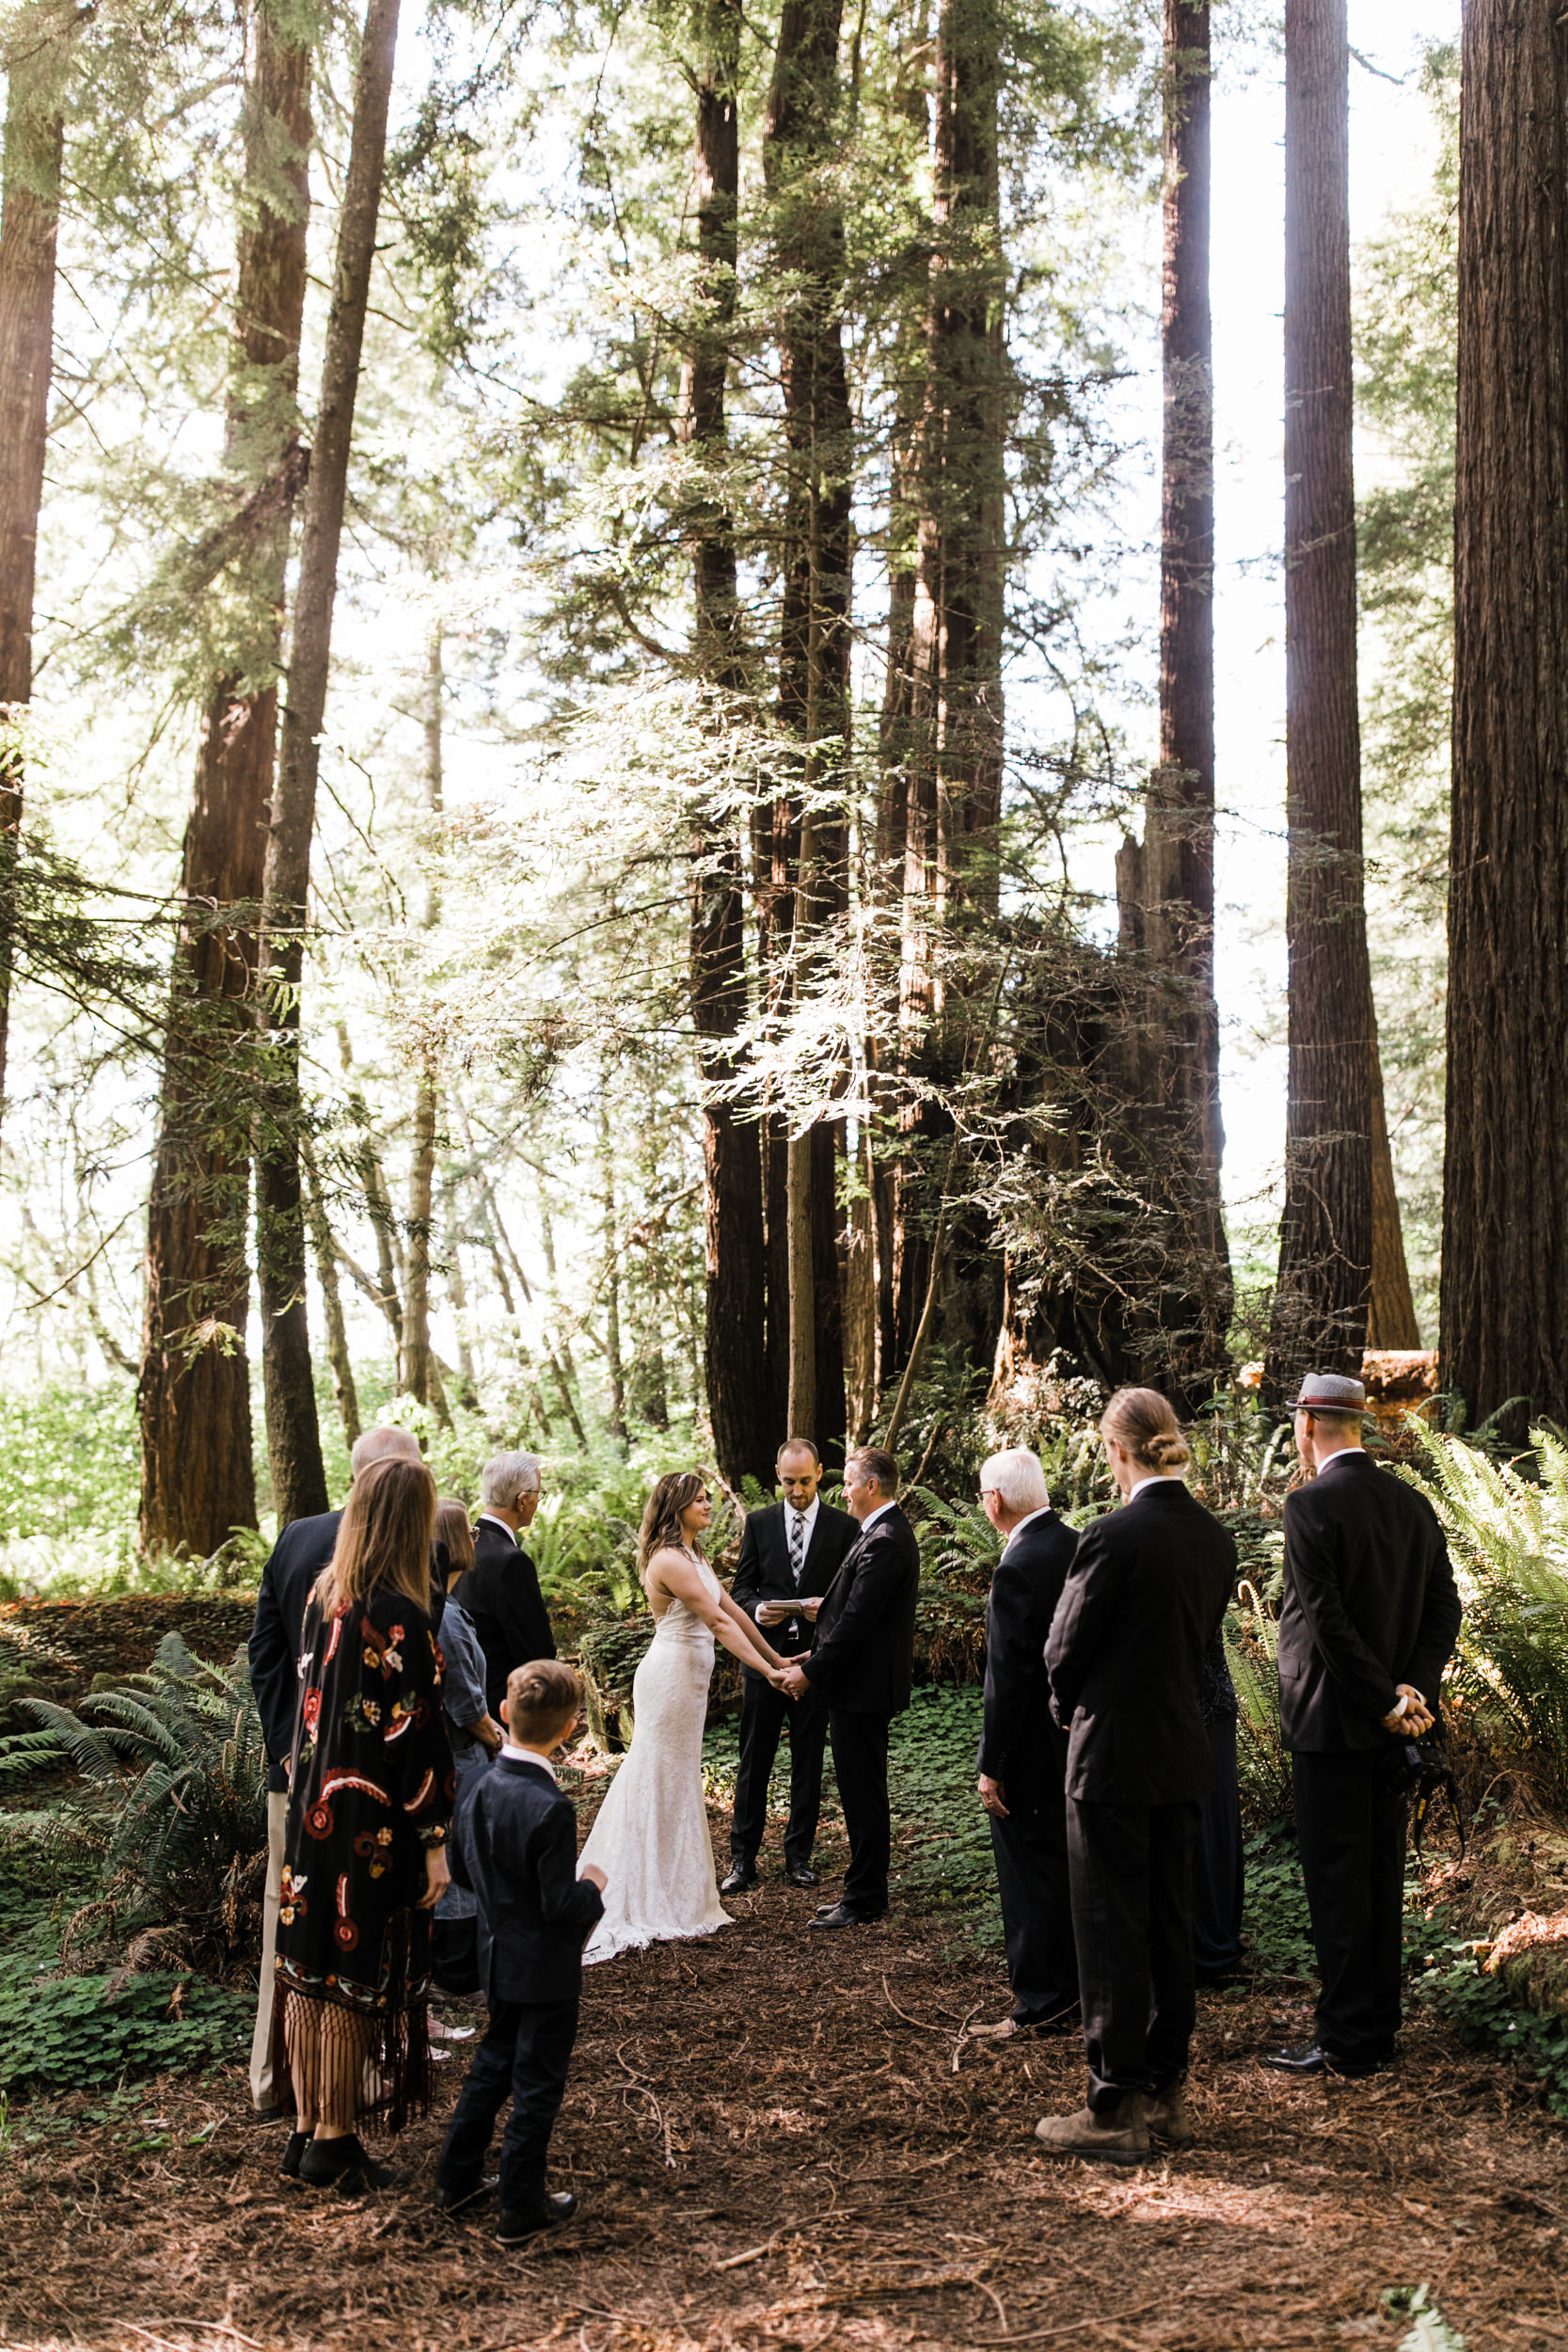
{"points": [[500, 1592]]}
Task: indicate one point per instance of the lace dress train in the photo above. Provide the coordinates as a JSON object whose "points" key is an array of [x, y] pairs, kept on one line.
{"points": [[651, 1839]]}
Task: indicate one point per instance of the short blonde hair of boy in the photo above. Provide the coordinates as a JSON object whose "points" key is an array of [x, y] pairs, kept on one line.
{"points": [[541, 1696]]}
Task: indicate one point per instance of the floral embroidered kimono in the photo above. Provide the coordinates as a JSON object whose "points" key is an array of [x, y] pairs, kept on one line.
{"points": [[370, 1785]]}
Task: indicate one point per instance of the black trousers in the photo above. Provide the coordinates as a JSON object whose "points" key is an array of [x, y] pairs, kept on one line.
{"points": [[1219, 1866], [1029, 1849], [527, 2052], [1131, 1867], [764, 1713], [860, 1766], [1351, 1833]]}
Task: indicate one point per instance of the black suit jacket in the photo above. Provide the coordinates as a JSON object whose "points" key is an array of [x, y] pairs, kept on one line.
{"points": [[1020, 1743], [1369, 1600], [765, 1572], [862, 1658], [1143, 1600], [501, 1592], [298, 1558], [513, 1845]]}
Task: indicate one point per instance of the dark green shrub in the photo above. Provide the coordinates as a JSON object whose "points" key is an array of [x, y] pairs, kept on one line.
{"points": [[63, 2033]]}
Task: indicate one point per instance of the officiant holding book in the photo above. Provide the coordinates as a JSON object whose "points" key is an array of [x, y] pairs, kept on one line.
{"points": [[790, 1552]]}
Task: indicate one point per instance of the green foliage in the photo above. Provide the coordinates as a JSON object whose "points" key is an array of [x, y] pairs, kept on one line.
{"points": [[1276, 1919], [944, 1835], [177, 1761], [1507, 1536], [1432, 2331], [1447, 1978], [1251, 1650], [70, 1473], [66, 2031]]}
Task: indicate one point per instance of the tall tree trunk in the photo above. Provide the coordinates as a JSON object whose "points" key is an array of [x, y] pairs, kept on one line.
{"points": [[1182, 1306], [193, 1398], [1390, 1303], [614, 1367], [731, 1158], [801, 142], [36, 63], [294, 1438], [1505, 1178], [417, 1361], [343, 1389], [1325, 1233], [953, 800]]}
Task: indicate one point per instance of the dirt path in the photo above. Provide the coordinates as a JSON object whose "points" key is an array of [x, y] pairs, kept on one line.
{"points": [[774, 2147]]}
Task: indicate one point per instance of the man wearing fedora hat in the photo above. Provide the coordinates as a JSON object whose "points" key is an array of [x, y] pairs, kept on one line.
{"points": [[1368, 1624]]}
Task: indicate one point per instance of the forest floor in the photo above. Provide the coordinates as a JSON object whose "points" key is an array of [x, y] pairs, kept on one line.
{"points": [[781, 2139]]}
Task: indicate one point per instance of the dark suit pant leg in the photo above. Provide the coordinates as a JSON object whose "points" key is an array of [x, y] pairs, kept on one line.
{"points": [[461, 2163], [542, 2061], [1219, 1869], [1030, 1850], [1130, 1870], [859, 1765], [807, 1720], [762, 1714], [1351, 1832]]}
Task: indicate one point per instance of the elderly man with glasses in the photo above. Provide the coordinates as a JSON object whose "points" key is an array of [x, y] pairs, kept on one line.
{"points": [[1023, 1749], [500, 1592]]}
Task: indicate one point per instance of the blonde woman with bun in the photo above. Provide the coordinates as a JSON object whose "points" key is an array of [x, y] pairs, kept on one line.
{"points": [[1142, 1604]]}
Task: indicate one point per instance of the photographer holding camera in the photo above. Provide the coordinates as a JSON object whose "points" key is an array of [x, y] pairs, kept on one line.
{"points": [[1369, 1622]]}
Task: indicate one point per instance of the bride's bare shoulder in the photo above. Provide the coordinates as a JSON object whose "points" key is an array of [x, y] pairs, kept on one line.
{"points": [[669, 1569]]}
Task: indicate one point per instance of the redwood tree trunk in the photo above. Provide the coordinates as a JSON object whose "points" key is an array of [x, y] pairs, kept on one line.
{"points": [[953, 799], [194, 1395], [1505, 1183], [1325, 1235], [1179, 1114], [293, 1436], [35, 62], [731, 1158]]}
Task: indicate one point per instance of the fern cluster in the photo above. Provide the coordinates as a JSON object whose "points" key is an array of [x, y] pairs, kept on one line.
{"points": [[175, 1769]]}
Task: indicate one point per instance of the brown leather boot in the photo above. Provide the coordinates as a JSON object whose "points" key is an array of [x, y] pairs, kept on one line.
{"points": [[1120, 2135], [1168, 2120]]}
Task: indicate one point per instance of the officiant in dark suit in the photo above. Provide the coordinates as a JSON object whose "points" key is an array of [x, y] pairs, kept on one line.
{"points": [[790, 1552], [1023, 1758], [862, 1662], [500, 1592]]}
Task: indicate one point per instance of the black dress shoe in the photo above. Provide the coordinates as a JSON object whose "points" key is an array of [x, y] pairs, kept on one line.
{"points": [[1311, 2058], [513, 2228], [292, 2156], [455, 2199], [840, 1915], [343, 2165], [797, 1874], [741, 1880], [272, 2115]]}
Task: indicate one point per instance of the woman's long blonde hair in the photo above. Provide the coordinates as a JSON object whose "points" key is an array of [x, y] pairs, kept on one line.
{"points": [[384, 1537], [661, 1528], [1144, 1422]]}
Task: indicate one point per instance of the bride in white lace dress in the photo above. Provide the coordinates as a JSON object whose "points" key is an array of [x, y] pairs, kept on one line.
{"points": [[651, 1839]]}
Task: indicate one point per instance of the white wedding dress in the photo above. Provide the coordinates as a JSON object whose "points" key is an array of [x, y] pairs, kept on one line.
{"points": [[651, 1839]]}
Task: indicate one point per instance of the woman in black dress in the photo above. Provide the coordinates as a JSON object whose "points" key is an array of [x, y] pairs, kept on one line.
{"points": [[370, 1796]]}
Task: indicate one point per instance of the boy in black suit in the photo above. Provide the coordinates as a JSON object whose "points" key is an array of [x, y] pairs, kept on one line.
{"points": [[514, 1845], [789, 1554]]}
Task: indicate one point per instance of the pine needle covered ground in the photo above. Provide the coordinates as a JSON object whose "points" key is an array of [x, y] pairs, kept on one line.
{"points": [[781, 2141]]}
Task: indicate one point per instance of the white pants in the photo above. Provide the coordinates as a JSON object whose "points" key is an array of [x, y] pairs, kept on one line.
{"points": [[261, 2046]]}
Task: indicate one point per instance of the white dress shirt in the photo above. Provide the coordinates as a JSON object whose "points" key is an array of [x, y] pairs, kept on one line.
{"points": [[1156, 1478], [808, 1526], [867, 1524], [500, 1524], [512, 1754]]}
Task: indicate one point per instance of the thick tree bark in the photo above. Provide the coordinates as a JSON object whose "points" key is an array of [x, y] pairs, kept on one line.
{"points": [[1182, 1305], [731, 1158], [293, 1437], [194, 1394], [36, 63], [1325, 1234], [1505, 1184]]}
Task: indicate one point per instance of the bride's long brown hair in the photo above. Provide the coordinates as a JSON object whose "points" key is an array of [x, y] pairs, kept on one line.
{"points": [[661, 1529]]}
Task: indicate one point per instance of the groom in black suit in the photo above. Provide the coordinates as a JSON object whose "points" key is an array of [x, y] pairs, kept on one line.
{"points": [[789, 1555], [863, 1663]]}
